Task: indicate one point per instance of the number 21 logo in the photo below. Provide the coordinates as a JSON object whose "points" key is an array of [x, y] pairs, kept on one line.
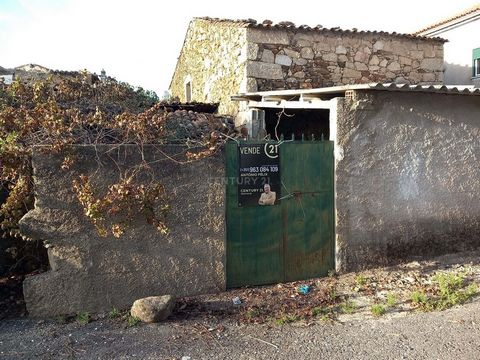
{"points": [[271, 150]]}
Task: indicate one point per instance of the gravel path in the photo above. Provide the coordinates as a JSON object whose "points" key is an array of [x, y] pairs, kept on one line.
{"points": [[453, 333], [211, 327]]}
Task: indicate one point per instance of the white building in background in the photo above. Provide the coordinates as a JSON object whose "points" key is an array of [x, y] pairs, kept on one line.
{"points": [[462, 51]]}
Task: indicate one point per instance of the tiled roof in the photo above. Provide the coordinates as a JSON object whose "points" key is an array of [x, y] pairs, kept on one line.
{"points": [[460, 15], [267, 24]]}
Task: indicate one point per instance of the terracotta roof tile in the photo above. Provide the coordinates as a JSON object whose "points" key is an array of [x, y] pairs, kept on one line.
{"points": [[267, 24]]}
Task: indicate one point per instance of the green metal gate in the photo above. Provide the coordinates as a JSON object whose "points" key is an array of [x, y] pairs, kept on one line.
{"points": [[290, 241]]}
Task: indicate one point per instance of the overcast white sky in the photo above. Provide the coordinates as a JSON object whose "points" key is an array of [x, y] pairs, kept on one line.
{"points": [[138, 41]]}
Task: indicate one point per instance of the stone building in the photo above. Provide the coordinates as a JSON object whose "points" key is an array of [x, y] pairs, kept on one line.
{"points": [[462, 51], [224, 57]]}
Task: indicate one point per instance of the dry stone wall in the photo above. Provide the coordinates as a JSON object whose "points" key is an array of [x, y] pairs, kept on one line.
{"points": [[300, 59], [213, 59]]}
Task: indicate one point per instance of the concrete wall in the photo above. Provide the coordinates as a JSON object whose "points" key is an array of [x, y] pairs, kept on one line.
{"points": [[407, 176], [213, 59], [303, 59], [91, 273]]}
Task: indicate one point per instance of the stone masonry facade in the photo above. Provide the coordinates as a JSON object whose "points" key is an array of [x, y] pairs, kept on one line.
{"points": [[213, 60], [226, 57], [298, 59]]}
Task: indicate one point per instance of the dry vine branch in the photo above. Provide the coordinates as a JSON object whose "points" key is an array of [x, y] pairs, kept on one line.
{"points": [[279, 117], [68, 111]]}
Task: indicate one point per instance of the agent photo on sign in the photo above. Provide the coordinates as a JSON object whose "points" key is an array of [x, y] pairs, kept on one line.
{"points": [[268, 197]]}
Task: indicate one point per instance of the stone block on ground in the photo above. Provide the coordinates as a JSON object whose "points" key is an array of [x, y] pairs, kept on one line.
{"points": [[153, 308]]}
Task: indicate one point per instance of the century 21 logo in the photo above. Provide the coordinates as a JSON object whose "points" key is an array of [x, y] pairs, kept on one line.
{"points": [[271, 150]]}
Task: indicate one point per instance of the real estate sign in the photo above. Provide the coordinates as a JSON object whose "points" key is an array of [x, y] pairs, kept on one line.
{"points": [[259, 174]]}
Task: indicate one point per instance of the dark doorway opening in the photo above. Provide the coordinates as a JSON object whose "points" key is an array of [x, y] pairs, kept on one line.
{"points": [[312, 124]]}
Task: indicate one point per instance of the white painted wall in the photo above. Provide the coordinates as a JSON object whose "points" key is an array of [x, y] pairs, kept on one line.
{"points": [[458, 52]]}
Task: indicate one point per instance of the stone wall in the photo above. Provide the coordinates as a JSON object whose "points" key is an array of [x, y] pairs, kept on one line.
{"points": [[292, 59], [213, 58], [92, 273], [222, 58], [407, 176]]}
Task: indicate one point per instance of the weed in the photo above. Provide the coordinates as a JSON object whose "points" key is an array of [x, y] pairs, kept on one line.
{"points": [[449, 290], [331, 273], [325, 318], [348, 307], [316, 311], [391, 300], [253, 313], [360, 280], [114, 313], [286, 319], [132, 321], [452, 291], [418, 298], [83, 318], [449, 283], [61, 319], [378, 309], [331, 293]]}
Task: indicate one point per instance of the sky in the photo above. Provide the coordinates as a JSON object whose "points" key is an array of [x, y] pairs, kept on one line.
{"points": [[138, 41]]}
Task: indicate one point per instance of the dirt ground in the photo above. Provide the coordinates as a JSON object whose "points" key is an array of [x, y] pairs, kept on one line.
{"points": [[335, 319]]}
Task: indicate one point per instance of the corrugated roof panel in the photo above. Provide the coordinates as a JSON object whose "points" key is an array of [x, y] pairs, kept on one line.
{"points": [[340, 90]]}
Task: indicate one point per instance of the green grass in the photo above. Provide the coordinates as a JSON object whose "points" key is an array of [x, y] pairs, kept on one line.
{"points": [[360, 280], [391, 300], [132, 321], [325, 317], [253, 313], [378, 309], [316, 311], [418, 297], [287, 319], [348, 307], [114, 313], [83, 318]]}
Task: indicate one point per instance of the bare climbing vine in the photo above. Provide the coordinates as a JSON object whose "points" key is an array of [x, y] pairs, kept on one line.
{"points": [[56, 113]]}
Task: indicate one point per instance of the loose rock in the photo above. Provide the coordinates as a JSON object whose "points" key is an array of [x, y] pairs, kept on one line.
{"points": [[153, 309]]}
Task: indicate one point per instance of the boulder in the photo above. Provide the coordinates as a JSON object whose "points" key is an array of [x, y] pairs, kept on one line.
{"points": [[153, 308]]}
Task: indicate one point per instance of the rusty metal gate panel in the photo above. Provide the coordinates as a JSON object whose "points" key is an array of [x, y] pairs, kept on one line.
{"points": [[293, 240]]}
